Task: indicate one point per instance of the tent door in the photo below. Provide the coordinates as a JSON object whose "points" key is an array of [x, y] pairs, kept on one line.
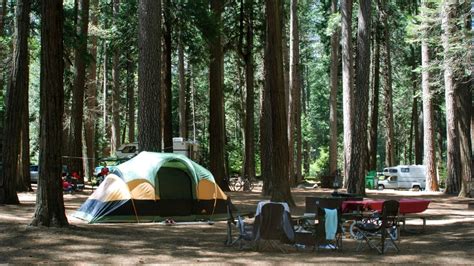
{"points": [[175, 191]]}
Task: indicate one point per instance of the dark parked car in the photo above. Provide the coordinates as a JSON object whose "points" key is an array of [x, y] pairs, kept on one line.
{"points": [[34, 172]]}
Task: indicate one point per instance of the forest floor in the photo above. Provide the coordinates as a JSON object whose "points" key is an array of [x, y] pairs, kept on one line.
{"points": [[448, 238]]}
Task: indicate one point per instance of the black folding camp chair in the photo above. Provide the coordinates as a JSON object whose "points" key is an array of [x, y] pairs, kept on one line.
{"points": [[381, 231], [270, 227], [324, 207], [245, 230]]}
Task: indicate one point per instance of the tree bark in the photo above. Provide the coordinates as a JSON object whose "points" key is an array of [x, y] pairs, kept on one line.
{"points": [[249, 142], [131, 98], [428, 111], [3, 14], [387, 86], [274, 76], [347, 85], [374, 111], [464, 102], [49, 197], [304, 102], [295, 96], [15, 106], [24, 183], [183, 131], [216, 104], [453, 181], [358, 168], [266, 139], [77, 109], [115, 107], [167, 118], [333, 96], [374, 101], [105, 99], [415, 128], [91, 109], [149, 87]]}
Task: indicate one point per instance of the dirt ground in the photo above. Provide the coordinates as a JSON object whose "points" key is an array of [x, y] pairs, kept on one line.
{"points": [[448, 238]]}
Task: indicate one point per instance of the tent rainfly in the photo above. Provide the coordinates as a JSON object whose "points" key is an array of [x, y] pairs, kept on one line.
{"points": [[152, 187]]}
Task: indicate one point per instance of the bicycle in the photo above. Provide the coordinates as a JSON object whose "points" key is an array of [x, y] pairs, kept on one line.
{"points": [[231, 182], [244, 184]]}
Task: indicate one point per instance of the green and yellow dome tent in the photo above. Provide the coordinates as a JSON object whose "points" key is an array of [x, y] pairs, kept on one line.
{"points": [[152, 187]]}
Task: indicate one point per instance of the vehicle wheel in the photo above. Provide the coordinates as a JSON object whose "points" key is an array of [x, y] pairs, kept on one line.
{"points": [[416, 188], [355, 232], [239, 185], [251, 185], [380, 187], [232, 185], [394, 232]]}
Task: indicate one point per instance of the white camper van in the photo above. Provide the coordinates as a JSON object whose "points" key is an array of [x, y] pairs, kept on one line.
{"points": [[403, 176], [127, 150]]}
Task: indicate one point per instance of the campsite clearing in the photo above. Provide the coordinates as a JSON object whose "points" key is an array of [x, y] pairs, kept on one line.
{"points": [[448, 238]]}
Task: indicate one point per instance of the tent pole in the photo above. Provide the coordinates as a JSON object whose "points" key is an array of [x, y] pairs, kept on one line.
{"points": [[135, 210]]}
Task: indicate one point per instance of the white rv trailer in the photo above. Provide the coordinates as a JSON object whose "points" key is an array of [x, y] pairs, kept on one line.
{"points": [[403, 176]]}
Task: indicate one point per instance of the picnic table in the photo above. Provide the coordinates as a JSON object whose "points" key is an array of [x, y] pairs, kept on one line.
{"points": [[406, 205], [409, 208]]}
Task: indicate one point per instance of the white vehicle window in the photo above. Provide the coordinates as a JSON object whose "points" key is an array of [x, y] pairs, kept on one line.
{"points": [[405, 170]]}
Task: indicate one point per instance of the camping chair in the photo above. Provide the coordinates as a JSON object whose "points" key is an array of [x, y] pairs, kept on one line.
{"points": [[329, 230], [245, 230], [272, 227], [381, 231]]}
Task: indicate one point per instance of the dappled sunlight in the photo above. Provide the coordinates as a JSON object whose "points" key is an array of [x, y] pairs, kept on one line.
{"points": [[449, 232]]}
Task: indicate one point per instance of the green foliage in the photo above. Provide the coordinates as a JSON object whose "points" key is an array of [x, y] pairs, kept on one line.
{"points": [[320, 166], [195, 26]]}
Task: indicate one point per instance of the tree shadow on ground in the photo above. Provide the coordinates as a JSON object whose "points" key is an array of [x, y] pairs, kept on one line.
{"points": [[448, 238]]}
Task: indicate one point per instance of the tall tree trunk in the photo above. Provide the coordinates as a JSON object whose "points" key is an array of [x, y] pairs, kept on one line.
{"points": [[304, 102], [374, 111], [216, 104], [358, 168], [388, 102], [91, 96], [298, 139], [192, 102], [115, 107], [167, 118], [49, 196], [182, 92], [130, 98], [24, 183], [294, 100], [428, 112], [15, 106], [105, 106], [333, 96], [464, 101], [453, 181], [3, 14], [347, 85], [77, 110], [266, 139], [415, 128], [149, 87], [286, 50], [249, 163], [274, 76]]}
